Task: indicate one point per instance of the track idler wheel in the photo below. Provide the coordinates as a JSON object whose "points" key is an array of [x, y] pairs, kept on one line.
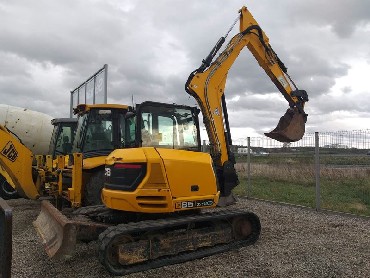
{"points": [[290, 128], [109, 252], [242, 227]]}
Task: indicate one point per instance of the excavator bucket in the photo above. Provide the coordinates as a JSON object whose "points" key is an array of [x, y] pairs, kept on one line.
{"points": [[58, 234], [290, 128]]}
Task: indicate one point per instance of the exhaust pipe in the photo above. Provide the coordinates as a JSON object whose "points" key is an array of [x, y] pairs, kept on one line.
{"points": [[290, 128]]}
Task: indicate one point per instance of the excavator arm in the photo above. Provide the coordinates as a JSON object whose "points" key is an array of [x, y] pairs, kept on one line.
{"points": [[207, 85]]}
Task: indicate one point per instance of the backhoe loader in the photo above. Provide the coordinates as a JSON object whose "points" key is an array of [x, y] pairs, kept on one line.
{"points": [[158, 190], [62, 132], [33, 128], [98, 132]]}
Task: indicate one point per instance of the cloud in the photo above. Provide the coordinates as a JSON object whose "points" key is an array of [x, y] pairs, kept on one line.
{"points": [[342, 16], [48, 48]]}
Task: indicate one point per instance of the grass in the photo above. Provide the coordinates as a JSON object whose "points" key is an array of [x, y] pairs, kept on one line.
{"points": [[348, 195], [292, 180], [328, 159], [281, 191]]}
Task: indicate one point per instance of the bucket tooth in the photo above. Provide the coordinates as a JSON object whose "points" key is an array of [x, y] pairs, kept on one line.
{"points": [[291, 127]]}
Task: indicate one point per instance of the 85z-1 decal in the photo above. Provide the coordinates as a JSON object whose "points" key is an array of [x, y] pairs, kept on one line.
{"points": [[194, 204], [10, 152]]}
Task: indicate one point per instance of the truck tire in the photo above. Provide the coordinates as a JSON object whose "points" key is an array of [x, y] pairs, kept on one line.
{"points": [[6, 191], [92, 190]]}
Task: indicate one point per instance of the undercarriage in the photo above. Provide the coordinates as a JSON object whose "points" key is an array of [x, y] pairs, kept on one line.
{"points": [[145, 241]]}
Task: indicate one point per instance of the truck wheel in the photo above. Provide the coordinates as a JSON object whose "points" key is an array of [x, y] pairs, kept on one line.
{"points": [[6, 191], [92, 190]]}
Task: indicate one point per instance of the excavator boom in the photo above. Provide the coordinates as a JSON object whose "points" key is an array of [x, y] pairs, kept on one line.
{"points": [[207, 84]]}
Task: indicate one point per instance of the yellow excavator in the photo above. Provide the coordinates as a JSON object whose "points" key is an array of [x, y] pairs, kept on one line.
{"points": [[158, 190], [172, 177]]}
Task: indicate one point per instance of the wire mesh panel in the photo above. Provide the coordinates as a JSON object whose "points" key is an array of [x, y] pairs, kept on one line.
{"points": [[345, 171], [281, 172], [286, 171]]}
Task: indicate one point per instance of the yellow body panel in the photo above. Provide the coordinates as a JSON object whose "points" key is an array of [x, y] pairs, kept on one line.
{"points": [[17, 160], [93, 162], [127, 155], [141, 200], [167, 185], [185, 169], [75, 192]]}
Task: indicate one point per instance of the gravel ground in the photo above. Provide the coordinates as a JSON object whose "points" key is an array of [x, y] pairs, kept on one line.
{"points": [[295, 242]]}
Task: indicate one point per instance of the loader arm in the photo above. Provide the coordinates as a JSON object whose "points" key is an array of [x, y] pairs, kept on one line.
{"points": [[17, 160], [207, 85]]}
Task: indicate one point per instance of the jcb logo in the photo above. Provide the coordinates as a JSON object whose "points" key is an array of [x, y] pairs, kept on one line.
{"points": [[10, 152]]}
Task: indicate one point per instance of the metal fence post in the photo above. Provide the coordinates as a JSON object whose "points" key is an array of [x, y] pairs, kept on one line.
{"points": [[5, 239], [249, 185], [317, 171]]}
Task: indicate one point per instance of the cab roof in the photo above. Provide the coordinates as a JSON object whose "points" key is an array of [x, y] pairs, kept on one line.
{"points": [[83, 108]]}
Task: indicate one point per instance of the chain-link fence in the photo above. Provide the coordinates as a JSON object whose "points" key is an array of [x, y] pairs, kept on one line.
{"points": [[328, 170]]}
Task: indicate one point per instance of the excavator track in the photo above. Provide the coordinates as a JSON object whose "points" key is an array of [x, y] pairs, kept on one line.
{"points": [[135, 247]]}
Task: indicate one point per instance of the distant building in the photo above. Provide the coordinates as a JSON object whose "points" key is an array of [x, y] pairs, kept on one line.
{"points": [[244, 151], [336, 146]]}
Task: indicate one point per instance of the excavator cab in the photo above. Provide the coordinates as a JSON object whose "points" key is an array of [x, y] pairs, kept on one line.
{"points": [[62, 136], [168, 126], [166, 169], [100, 129]]}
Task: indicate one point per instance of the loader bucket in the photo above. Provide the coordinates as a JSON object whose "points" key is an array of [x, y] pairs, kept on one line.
{"points": [[290, 128], [58, 234]]}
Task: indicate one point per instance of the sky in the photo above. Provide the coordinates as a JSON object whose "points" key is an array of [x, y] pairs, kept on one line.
{"points": [[49, 47]]}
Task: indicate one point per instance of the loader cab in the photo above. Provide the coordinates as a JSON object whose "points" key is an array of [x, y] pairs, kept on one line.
{"points": [[63, 136], [168, 126], [100, 129]]}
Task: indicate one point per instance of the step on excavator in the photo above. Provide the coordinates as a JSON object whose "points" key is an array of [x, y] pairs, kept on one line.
{"points": [[148, 194]]}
